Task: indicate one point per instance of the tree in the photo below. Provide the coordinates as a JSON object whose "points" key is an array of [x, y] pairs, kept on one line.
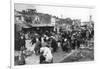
{"points": [[69, 20]]}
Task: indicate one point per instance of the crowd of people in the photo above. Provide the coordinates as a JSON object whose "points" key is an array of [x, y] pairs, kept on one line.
{"points": [[46, 43]]}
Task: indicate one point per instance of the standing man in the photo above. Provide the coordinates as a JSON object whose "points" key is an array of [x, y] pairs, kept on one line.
{"points": [[22, 42], [54, 45]]}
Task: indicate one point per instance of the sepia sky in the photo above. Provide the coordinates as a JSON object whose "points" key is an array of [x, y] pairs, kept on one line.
{"points": [[64, 12]]}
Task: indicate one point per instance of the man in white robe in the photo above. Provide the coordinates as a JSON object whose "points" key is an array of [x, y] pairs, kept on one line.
{"points": [[47, 54]]}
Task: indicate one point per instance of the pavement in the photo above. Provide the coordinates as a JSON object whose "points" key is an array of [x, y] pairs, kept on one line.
{"points": [[33, 59], [57, 57], [60, 56]]}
